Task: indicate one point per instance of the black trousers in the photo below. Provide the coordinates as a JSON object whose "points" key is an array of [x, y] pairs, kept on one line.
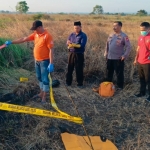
{"points": [[144, 75], [118, 67], [75, 60]]}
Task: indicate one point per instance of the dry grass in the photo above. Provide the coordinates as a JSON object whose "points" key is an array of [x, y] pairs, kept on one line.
{"points": [[123, 118]]}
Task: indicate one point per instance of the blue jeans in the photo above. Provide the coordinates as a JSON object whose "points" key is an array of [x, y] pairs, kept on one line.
{"points": [[42, 74]]}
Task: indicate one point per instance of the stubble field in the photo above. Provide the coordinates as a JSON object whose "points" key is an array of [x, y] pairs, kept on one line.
{"points": [[123, 119]]}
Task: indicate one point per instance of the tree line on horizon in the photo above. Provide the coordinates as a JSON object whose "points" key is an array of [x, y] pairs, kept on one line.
{"points": [[23, 8]]}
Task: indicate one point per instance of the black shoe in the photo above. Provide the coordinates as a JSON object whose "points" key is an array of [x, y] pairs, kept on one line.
{"points": [[119, 89], [139, 95], [80, 85], [148, 98], [68, 84], [118, 86]]}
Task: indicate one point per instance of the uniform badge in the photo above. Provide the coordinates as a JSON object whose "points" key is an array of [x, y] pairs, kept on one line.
{"points": [[127, 39]]}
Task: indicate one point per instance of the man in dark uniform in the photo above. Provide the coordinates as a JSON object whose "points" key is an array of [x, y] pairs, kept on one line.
{"points": [[76, 44]]}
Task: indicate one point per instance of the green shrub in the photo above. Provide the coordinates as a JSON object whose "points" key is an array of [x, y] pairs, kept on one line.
{"points": [[46, 17], [37, 16], [14, 55], [41, 16]]}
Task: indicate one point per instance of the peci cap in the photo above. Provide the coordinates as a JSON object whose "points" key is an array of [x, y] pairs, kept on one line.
{"points": [[36, 24], [78, 23]]}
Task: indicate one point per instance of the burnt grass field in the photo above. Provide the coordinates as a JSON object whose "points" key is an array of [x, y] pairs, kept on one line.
{"points": [[123, 118]]}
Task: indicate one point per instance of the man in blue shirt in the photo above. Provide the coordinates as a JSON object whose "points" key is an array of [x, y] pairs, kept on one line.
{"points": [[76, 45]]}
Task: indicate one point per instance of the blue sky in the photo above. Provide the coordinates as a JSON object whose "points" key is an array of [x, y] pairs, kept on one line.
{"points": [[78, 5]]}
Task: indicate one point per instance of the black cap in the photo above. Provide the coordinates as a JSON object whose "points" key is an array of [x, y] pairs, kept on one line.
{"points": [[36, 24], [78, 23]]}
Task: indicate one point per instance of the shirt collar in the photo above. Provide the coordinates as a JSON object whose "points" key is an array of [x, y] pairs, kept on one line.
{"points": [[45, 31], [118, 34], [78, 33]]}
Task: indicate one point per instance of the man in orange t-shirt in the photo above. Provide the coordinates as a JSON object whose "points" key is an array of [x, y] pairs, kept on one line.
{"points": [[43, 54]]}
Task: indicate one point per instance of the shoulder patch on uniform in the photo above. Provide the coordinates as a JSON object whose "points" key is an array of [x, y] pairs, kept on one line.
{"points": [[126, 38]]}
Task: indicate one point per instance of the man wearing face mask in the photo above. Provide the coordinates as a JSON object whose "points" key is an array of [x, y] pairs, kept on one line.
{"points": [[143, 59], [76, 45], [117, 50], [43, 54]]}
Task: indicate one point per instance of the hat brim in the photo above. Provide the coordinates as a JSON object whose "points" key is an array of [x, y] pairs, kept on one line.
{"points": [[33, 28]]}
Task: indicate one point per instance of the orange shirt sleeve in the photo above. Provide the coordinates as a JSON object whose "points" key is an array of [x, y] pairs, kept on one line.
{"points": [[31, 37], [49, 41]]}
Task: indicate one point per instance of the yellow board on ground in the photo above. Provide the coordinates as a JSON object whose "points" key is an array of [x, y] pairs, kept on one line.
{"points": [[75, 142]]}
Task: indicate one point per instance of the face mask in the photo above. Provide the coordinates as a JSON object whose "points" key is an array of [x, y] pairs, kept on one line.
{"points": [[144, 33]]}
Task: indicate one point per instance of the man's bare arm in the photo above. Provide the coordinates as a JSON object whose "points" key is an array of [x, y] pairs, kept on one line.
{"points": [[137, 54], [22, 40], [51, 56]]}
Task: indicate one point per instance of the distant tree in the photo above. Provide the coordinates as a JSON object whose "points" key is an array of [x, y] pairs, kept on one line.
{"points": [[107, 13], [92, 13], [7, 12], [123, 14], [141, 13], [22, 7], [98, 10], [37, 16], [61, 13], [2, 11]]}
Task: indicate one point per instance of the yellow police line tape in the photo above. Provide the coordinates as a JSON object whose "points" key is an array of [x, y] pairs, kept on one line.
{"points": [[35, 111], [41, 112], [54, 105]]}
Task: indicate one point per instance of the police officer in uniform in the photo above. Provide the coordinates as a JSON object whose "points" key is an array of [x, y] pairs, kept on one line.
{"points": [[117, 50]]}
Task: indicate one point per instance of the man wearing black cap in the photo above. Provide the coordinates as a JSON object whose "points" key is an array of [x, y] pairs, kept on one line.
{"points": [[43, 54], [76, 45]]}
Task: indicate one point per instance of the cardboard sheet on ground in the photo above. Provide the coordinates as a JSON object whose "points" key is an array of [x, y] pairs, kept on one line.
{"points": [[75, 142]]}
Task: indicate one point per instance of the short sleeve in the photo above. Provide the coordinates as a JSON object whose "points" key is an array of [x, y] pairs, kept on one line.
{"points": [[31, 37], [49, 41], [148, 44], [126, 39]]}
